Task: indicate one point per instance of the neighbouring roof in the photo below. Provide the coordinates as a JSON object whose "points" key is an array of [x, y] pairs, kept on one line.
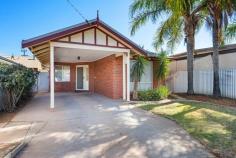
{"points": [[69, 30], [231, 48], [7, 61], [151, 54], [27, 61]]}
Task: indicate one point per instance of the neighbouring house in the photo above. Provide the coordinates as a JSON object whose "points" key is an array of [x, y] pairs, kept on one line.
{"points": [[27, 61], [90, 56], [31, 62], [6, 61], [203, 71]]}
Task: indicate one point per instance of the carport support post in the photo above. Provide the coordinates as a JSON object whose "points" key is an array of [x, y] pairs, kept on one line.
{"points": [[128, 76], [124, 76], [51, 77]]}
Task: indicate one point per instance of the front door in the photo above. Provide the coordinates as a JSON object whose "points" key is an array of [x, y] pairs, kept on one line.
{"points": [[82, 77]]}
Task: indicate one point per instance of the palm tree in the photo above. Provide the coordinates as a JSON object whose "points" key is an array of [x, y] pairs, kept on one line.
{"points": [[163, 66], [137, 71], [183, 19], [219, 13]]}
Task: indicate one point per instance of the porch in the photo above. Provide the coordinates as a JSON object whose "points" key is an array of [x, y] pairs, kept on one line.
{"points": [[95, 69]]}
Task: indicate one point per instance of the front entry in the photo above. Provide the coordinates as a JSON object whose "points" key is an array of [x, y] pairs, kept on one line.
{"points": [[82, 77]]}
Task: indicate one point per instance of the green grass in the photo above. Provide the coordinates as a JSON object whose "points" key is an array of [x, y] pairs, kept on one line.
{"points": [[214, 126]]}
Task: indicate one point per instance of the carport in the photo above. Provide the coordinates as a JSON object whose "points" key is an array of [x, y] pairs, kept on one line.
{"points": [[92, 68], [89, 56]]}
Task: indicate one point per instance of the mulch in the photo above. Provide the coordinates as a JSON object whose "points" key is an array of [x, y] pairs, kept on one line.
{"points": [[211, 99]]}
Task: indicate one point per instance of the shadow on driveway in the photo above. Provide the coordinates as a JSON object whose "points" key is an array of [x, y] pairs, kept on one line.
{"points": [[88, 126]]}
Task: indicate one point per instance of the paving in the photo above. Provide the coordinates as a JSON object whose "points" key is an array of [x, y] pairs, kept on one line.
{"points": [[91, 126]]}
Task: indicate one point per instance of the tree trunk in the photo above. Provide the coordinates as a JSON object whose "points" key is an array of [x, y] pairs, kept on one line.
{"points": [[190, 51], [135, 90], [215, 60]]}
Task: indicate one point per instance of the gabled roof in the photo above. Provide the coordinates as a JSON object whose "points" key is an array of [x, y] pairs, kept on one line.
{"points": [[72, 29], [231, 48]]}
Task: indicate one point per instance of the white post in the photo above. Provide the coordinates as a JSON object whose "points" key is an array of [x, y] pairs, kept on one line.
{"points": [[124, 76], [128, 76], [52, 77]]}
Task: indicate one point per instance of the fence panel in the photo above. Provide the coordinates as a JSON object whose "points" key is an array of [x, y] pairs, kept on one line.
{"points": [[141, 86], [180, 82], [203, 82], [43, 82], [146, 79]]}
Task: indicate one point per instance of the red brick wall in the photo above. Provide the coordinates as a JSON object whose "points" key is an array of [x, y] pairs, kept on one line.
{"points": [[105, 77], [108, 76], [66, 86], [91, 76], [71, 85], [118, 78]]}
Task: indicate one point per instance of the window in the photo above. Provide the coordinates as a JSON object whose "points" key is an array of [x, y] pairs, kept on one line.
{"points": [[62, 73]]}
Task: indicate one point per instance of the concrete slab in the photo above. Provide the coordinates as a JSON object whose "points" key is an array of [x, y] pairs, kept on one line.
{"points": [[94, 126]]}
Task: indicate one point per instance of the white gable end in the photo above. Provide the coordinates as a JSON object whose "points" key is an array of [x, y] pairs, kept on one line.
{"points": [[65, 39], [93, 36], [112, 42], [101, 37], [89, 36], [77, 38]]}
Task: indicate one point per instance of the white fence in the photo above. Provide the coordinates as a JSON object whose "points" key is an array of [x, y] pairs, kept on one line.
{"points": [[42, 84], [141, 86], [203, 82], [146, 79]]}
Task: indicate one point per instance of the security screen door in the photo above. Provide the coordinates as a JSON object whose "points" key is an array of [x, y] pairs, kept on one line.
{"points": [[82, 77]]}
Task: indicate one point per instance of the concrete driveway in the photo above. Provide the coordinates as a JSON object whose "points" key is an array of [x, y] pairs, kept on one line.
{"points": [[89, 126]]}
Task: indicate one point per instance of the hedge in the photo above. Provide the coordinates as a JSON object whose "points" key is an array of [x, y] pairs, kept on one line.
{"points": [[16, 83]]}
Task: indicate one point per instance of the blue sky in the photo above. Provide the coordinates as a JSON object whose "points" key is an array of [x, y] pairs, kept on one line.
{"points": [[22, 19]]}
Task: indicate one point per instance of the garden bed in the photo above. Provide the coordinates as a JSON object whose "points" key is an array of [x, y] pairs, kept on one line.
{"points": [[210, 99]]}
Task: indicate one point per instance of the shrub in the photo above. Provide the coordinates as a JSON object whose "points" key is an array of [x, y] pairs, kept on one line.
{"points": [[154, 94], [16, 82], [163, 92]]}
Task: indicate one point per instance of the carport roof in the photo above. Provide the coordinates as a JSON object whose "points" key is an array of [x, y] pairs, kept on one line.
{"points": [[69, 30]]}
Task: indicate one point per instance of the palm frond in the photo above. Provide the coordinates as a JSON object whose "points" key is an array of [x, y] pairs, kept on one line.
{"points": [[171, 31], [162, 70], [139, 6], [137, 68], [143, 10], [230, 32], [140, 20]]}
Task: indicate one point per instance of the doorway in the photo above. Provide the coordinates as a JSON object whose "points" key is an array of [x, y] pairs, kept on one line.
{"points": [[82, 77]]}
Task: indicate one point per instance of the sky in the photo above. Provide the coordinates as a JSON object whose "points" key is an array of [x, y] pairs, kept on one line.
{"points": [[23, 19]]}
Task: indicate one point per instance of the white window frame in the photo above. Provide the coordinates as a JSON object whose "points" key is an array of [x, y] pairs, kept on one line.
{"points": [[62, 68]]}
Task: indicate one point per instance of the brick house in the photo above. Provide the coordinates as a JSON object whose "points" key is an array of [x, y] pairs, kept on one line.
{"points": [[89, 56]]}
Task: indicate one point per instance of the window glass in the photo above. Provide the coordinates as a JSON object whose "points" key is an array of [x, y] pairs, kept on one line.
{"points": [[62, 73]]}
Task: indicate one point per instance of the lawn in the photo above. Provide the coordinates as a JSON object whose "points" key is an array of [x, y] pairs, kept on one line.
{"points": [[214, 126]]}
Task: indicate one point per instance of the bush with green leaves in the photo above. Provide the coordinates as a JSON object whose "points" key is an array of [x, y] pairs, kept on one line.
{"points": [[163, 92], [16, 83], [154, 94]]}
